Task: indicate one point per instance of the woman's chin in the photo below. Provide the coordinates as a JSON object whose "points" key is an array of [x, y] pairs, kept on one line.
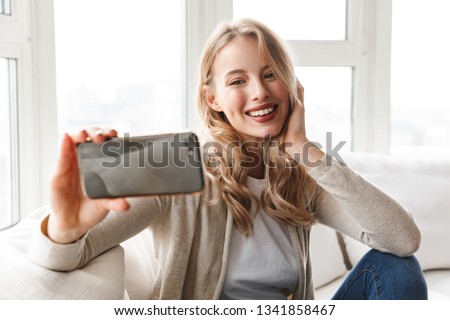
{"points": [[274, 134], [263, 135]]}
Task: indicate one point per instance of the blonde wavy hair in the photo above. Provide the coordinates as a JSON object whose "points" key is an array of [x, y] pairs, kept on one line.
{"points": [[289, 188]]}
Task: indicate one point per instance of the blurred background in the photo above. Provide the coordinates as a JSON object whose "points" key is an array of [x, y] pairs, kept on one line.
{"points": [[375, 73]]}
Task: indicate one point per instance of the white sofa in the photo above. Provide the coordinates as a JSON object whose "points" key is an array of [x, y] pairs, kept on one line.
{"points": [[420, 184]]}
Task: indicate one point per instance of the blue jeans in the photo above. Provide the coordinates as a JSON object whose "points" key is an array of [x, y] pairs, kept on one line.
{"points": [[383, 276]]}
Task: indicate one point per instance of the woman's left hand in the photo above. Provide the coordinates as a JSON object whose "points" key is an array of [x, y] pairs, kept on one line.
{"points": [[296, 129], [298, 145]]}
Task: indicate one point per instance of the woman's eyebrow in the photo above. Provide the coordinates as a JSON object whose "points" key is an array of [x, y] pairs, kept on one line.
{"points": [[233, 72], [240, 71]]}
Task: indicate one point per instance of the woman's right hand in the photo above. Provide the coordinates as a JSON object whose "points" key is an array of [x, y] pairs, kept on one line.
{"points": [[73, 213]]}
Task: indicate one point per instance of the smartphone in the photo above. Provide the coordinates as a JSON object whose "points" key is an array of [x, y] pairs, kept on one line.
{"points": [[143, 165]]}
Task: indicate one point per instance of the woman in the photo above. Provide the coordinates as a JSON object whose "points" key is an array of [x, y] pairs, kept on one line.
{"points": [[247, 235]]}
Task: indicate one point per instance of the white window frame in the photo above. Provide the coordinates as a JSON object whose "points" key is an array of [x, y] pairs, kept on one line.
{"points": [[202, 16], [366, 50], [27, 36], [45, 101]]}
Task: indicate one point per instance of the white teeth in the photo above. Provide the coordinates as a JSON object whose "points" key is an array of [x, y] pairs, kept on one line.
{"points": [[260, 113]]}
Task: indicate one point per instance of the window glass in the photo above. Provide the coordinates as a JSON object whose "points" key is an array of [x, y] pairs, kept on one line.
{"points": [[297, 19], [420, 121], [328, 105], [5, 7], [119, 65], [7, 212]]}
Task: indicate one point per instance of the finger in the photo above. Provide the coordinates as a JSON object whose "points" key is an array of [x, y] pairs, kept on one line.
{"points": [[66, 156], [109, 133], [99, 135], [299, 84], [301, 94], [119, 204], [297, 111], [300, 91], [80, 137], [96, 134]]}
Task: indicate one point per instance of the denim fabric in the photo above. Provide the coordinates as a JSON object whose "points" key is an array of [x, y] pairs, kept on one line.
{"points": [[383, 276]]}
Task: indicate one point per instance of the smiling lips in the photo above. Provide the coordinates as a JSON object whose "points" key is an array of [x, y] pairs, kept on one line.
{"points": [[262, 112], [262, 115]]}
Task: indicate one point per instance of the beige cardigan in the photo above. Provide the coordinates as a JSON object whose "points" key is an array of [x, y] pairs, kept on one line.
{"points": [[191, 239]]}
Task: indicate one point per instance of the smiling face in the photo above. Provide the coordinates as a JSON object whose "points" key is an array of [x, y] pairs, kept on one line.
{"points": [[244, 87]]}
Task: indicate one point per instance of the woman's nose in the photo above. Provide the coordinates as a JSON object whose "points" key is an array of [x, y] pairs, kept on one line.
{"points": [[260, 91]]}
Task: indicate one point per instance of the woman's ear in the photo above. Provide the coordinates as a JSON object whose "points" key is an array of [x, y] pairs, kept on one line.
{"points": [[210, 98]]}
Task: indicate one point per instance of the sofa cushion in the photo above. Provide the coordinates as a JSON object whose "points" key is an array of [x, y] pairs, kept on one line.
{"points": [[101, 278], [422, 185], [326, 255], [140, 266], [438, 282]]}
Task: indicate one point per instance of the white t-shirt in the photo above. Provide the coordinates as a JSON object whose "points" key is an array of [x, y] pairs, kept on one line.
{"points": [[261, 266]]}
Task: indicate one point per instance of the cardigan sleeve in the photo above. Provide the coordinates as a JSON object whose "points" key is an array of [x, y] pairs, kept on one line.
{"points": [[114, 229], [355, 207]]}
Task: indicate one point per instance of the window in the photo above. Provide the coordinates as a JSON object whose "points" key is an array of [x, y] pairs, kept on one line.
{"points": [[420, 77], [9, 131], [8, 153], [328, 112], [313, 20], [120, 66], [314, 29], [5, 7], [23, 177], [328, 36], [134, 67]]}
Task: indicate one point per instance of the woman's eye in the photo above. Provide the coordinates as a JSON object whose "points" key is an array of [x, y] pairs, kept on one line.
{"points": [[236, 82], [269, 75]]}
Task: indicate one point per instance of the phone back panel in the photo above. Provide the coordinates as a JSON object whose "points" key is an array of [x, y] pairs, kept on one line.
{"points": [[139, 166]]}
